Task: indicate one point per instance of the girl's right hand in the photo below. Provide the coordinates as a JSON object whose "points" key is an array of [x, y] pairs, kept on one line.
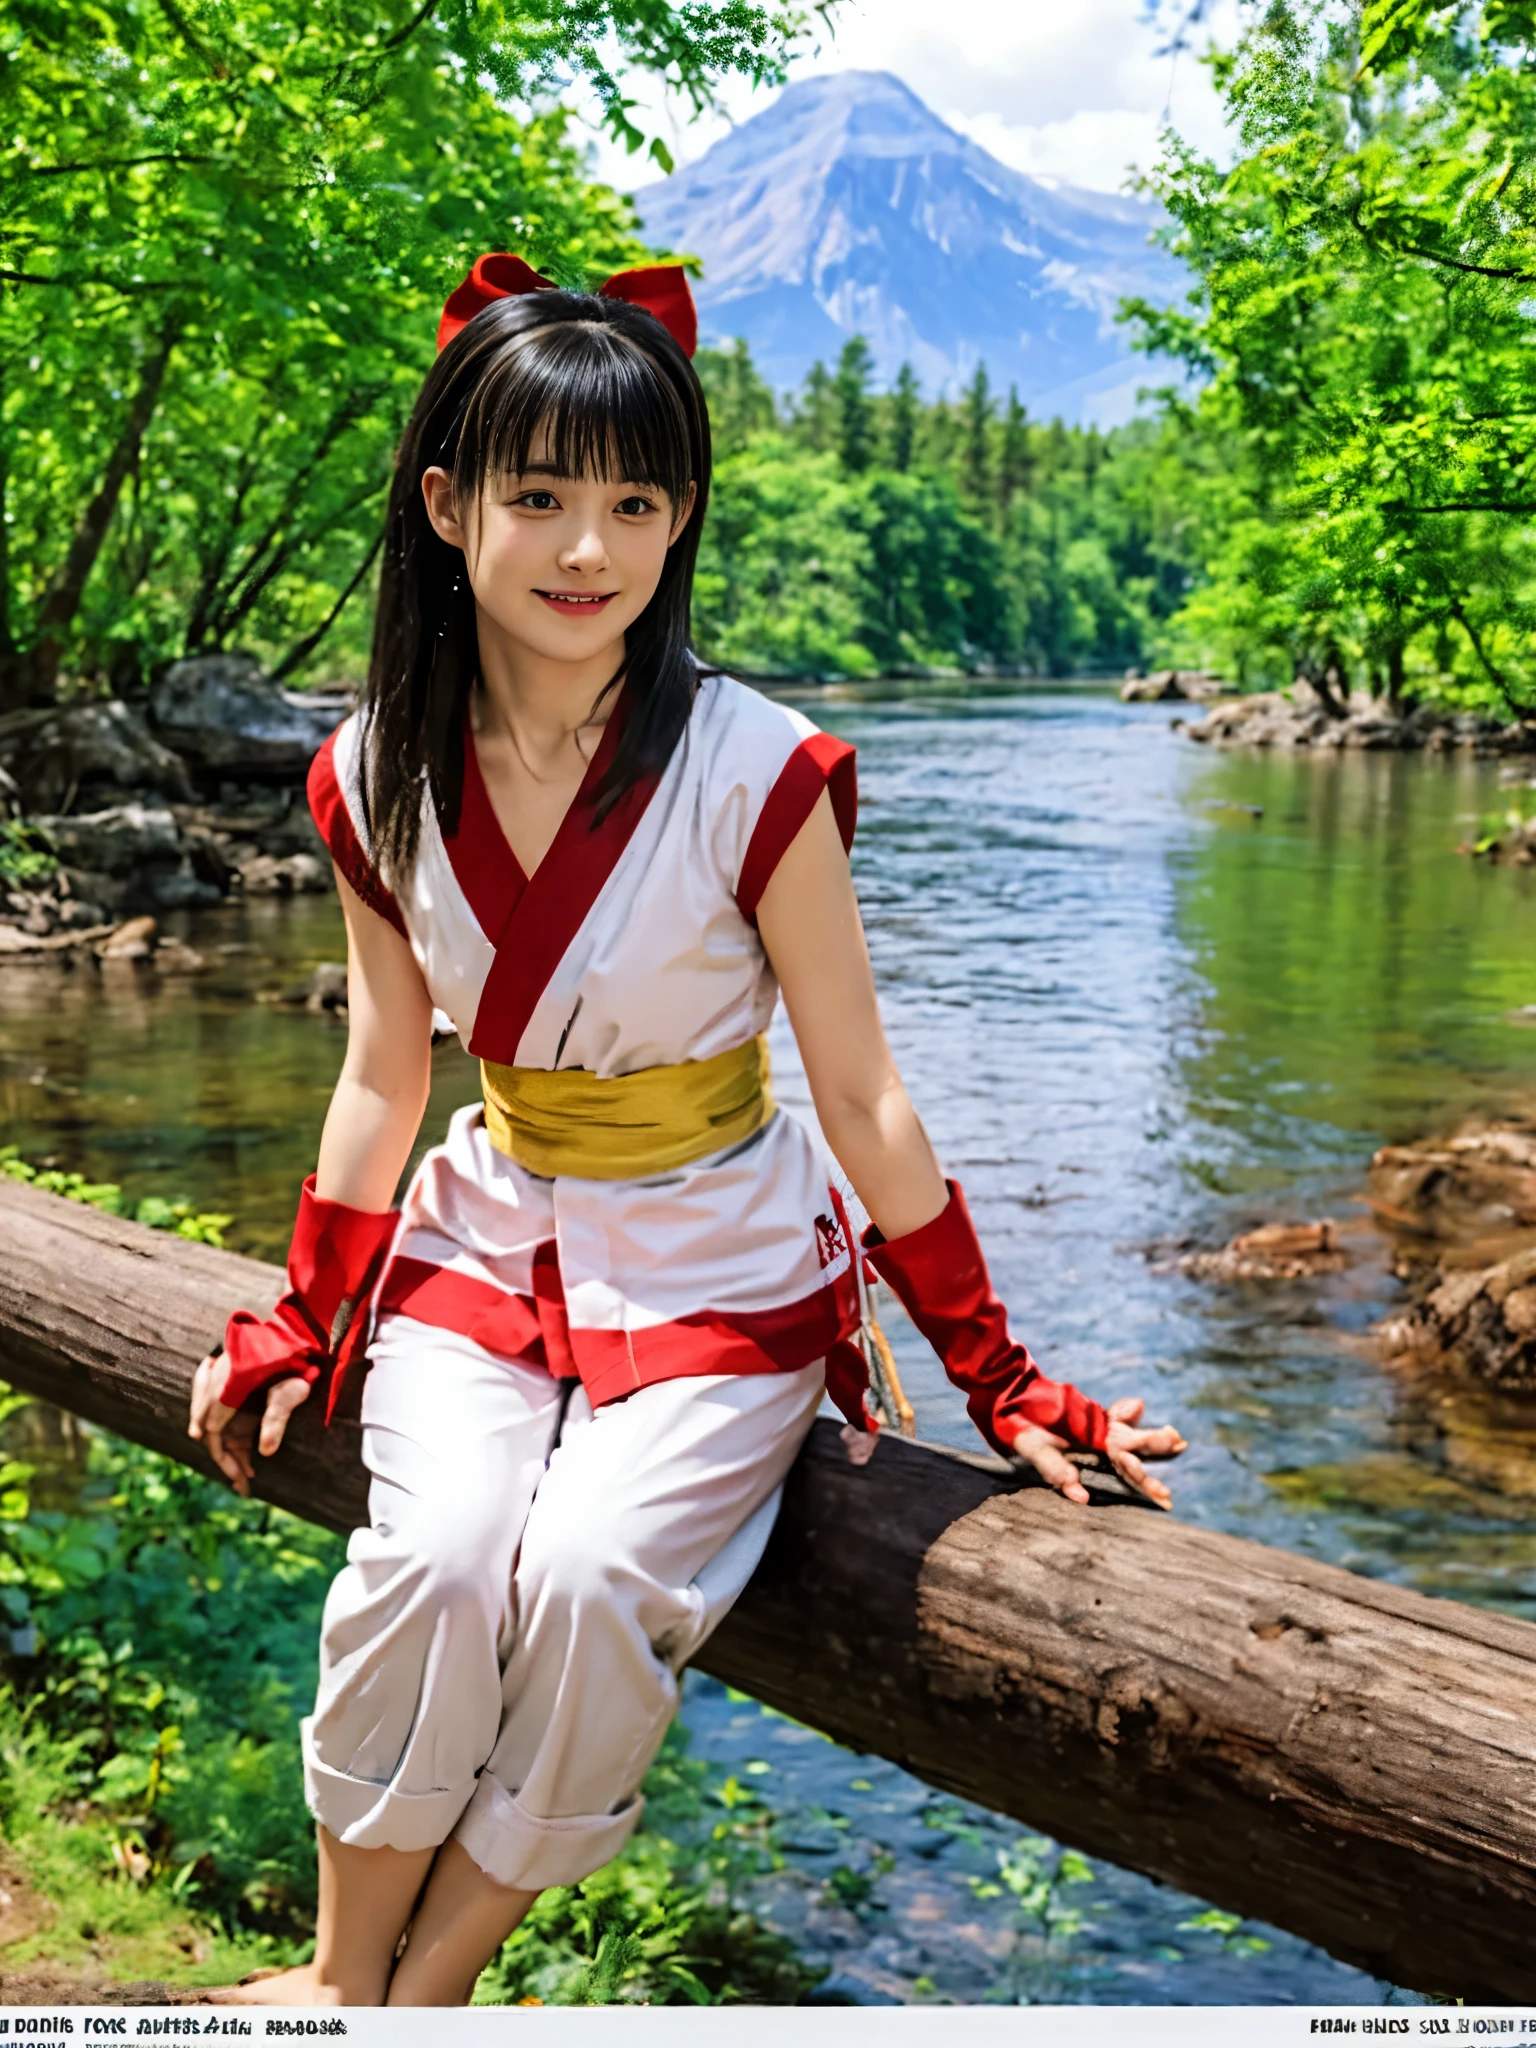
{"points": [[231, 1434]]}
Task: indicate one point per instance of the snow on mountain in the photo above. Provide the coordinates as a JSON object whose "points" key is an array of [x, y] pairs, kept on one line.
{"points": [[848, 207]]}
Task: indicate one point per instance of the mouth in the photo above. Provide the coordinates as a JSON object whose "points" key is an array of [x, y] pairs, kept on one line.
{"points": [[577, 604]]}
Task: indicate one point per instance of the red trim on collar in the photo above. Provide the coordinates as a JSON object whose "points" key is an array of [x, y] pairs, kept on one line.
{"points": [[818, 763], [486, 868], [554, 905], [333, 821]]}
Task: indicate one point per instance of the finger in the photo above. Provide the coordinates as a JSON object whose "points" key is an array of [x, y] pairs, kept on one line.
{"points": [[1056, 1471], [223, 1456], [1163, 1442], [199, 1403], [1135, 1474], [281, 1402], [1127, 1409]]}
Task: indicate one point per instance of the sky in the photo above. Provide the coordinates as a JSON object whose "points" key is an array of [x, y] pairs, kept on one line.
{"points": [[1070, 90]]}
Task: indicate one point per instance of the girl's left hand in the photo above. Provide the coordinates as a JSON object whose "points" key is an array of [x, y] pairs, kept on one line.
{"points": [[1127, 1446]]}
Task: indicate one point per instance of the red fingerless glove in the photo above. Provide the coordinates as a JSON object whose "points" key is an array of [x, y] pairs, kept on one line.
{"points": [[334, 1260], [941, 1276]]}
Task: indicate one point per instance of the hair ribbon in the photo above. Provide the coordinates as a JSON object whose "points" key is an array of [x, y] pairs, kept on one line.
{"points": [[659, 288]]}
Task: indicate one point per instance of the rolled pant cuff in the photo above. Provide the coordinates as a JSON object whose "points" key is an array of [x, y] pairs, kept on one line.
{"points": [[366, 1814], [519, 1849]]}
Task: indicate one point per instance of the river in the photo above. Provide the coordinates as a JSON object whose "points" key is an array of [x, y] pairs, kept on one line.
{"points": [[1139, 993]]}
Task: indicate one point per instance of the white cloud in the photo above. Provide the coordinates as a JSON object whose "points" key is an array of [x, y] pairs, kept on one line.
{"points": [[1100, 147], [1068, 89]]}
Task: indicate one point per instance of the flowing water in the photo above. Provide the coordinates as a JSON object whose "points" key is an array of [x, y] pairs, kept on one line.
{"points": [[1139, 993]]}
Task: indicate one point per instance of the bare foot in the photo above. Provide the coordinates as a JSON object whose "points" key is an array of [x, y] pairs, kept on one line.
{"points": [[283, 1987]]}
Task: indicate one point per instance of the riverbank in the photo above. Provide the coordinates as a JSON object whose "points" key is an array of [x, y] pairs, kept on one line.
{"points": [[1301, 718]]}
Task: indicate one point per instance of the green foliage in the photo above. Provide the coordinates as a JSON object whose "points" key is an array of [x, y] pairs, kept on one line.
{"points": [[664, 1923], [229, 228], [201, 1226], [853, 533], [151, 1698], [1362, 325], [25, 855], [1227, 1927]]}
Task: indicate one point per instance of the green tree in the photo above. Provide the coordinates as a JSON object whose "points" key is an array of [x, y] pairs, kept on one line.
{"points": [[1362, 333], [976, 410], [902, 412], [815, 418], [855, 409], [741, 404], [1015, 456], [229, 224]]}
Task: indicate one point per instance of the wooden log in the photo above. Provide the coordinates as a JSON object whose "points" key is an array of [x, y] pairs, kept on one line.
{"points": [[1349, 1760]]}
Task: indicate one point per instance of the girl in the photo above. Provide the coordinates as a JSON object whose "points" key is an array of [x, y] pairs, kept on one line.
{"points": [[600, 1325]]}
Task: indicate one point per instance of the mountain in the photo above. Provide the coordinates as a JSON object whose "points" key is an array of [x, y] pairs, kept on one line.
{"points": [[848, 207]]}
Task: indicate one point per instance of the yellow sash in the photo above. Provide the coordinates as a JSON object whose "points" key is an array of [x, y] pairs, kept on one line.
{"points": [[629, 1127]]}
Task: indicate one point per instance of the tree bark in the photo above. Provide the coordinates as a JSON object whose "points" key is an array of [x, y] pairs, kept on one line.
{"points": [[1349, 1760], [29, 678]]}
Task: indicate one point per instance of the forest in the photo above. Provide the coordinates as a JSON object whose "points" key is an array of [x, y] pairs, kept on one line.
{"points": [[227, 234]]}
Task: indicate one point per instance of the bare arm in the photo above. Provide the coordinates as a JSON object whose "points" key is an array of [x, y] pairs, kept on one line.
{"points": [[370, 1127], [381, 1092], [811, 930]]}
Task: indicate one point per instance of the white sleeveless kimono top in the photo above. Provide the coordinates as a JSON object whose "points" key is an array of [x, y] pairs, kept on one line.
{"points": [[633, 945]]}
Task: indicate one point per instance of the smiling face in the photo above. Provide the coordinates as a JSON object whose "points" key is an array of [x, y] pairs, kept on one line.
{"points": [[560, 566]]}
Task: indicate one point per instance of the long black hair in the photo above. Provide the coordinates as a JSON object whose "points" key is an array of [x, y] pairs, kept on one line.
{"points": [[619, 400]]}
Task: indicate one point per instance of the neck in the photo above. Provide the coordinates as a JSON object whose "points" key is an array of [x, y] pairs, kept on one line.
{"points": [[542, 701]]}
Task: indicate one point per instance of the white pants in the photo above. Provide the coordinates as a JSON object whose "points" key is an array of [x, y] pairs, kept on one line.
{"points": [[499, 1656]]}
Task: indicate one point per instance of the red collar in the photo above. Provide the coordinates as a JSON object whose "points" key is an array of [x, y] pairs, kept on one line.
{"points": [[531, 920]]}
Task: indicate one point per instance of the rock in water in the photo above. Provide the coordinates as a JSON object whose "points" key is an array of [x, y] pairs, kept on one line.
{"points": [[1275, 1251], [232, 722], [133, 853], [1172, 686], [1469, 1197], [66, 753], [1462, 1212]]}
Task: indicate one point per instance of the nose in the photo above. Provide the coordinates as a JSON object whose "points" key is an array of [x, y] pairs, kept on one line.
{"points": [[585, 552]]}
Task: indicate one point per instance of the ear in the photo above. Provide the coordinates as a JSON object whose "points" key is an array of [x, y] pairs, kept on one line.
{"points": [[437, 491], [684, 513]]}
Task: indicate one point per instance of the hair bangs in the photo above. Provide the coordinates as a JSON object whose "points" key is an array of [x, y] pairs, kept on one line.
{"points": [[584, 398]]}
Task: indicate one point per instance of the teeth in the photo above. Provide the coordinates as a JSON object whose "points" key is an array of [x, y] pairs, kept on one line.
{"points": [[560, 597]]}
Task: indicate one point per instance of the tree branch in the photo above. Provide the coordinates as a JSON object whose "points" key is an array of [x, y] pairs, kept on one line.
{"points": [[111, 284], [63, 599], [1499, 681], [120, 163], [306, 647]]}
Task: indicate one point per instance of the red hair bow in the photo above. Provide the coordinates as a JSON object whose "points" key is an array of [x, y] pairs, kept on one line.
{"points": [[660, 288]]}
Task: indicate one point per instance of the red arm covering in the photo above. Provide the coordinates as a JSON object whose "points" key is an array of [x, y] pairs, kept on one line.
{"points": [[941, 1276], [334, 1260]]}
